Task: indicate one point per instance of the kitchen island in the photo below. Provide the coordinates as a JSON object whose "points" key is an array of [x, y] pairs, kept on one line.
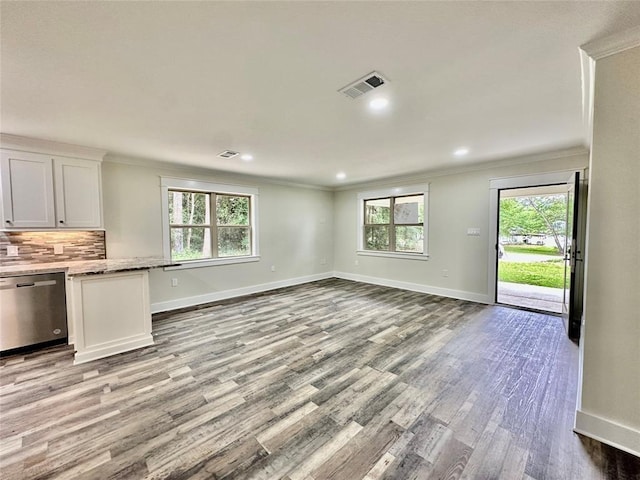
{"points": [[108, 306]]}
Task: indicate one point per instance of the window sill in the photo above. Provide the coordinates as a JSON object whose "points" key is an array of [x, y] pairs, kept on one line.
{"points": [[212, 262], [406, 256]]}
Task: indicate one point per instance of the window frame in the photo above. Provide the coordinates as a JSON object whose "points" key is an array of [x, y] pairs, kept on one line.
{"points": [[185, 185], [392, 194]]}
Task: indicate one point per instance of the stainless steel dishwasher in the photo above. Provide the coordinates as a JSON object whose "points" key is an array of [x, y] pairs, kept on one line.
{"points": [[33, 310]]}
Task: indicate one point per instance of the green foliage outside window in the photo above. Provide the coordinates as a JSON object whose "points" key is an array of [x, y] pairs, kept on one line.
{"points": [[409, 239], [192, 226], [394, 224], [232, 210], [376, 238], [234, 241]]}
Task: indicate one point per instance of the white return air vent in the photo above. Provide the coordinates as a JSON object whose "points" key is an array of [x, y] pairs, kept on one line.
{"points": [[363, 85], [227, 154]]}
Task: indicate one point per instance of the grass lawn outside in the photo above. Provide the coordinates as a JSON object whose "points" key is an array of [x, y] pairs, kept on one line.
{"points": [[537, 249], [544, 274]]}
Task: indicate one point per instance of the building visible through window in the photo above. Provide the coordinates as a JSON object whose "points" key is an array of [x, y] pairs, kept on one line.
{"points": [[394, 224], [393, 221]]}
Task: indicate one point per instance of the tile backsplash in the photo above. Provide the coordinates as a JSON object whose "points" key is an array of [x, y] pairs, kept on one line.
{"points": [[39, 247]]}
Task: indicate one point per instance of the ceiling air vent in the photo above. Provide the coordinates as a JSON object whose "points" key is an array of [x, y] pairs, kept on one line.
{"points": [[227, 154], [363, 85]]}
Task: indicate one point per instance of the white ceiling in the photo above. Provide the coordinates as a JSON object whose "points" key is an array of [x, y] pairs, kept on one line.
{"points": [[182, 81]]}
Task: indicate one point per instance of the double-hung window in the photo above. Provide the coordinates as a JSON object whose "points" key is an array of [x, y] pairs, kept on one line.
{"points": [[393, 222], [209, 223]]}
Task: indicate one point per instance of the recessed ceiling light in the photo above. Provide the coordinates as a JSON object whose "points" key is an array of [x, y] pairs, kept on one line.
{"points": [[341, 175], [461, 152], [246, 157], [378, 103]]}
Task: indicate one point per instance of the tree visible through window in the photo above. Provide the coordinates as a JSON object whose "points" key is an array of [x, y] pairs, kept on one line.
{"points": [[394, 224], [234, 230], [209, 225]]}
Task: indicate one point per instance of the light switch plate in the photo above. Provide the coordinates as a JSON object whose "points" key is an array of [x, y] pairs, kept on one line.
{"points": [[12, 251], [58, 249]]}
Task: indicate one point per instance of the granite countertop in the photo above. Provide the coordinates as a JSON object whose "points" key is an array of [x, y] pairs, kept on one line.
{"points": [[88, 267]]}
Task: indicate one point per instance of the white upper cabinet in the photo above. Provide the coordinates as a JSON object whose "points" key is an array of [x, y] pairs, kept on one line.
{"points": [[27, 190], [77, 191], [44, 185]]}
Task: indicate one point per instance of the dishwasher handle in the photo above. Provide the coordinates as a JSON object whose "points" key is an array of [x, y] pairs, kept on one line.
{"points": [[41, 283]]}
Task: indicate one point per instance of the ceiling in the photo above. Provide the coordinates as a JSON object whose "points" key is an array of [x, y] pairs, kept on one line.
{"points": [[182, 81]]}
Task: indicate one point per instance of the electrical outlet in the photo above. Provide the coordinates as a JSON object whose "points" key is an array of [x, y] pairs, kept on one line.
{"points": [[473, 231], [273, 268], [174, 282], [356, 263], [58, 249], [12, 250], [445, 272], [323, 261]]}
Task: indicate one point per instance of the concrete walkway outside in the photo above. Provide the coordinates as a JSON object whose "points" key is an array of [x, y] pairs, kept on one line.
{"points": [[528, 257], [531, 296]]}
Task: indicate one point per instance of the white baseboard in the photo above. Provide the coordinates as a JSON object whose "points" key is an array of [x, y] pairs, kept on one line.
{"points": [[264, 287], [416, 287], [236, 292], [619, 436], [107, 349]]}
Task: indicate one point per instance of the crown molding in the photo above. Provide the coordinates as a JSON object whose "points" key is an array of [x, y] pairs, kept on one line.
{"points": [[26, 144], [223, 175], [616, 43], [425, 175], [49, 147]]}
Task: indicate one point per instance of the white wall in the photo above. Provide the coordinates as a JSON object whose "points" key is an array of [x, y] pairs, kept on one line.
{"points": [[300, 228], [295, 234], [610, 398], [456, 202]]}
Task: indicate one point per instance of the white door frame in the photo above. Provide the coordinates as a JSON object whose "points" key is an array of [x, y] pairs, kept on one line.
{"points": [[497, 184]]}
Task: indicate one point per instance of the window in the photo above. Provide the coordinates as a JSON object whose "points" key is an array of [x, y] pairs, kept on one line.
{"points": [[209, 223], [393, 222]]}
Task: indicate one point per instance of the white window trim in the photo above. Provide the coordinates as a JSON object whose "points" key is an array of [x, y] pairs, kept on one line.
{"points": [[393, 192], [170, 183]]}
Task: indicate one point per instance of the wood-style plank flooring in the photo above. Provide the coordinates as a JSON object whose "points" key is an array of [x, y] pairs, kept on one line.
{"points": [[327, 380]]}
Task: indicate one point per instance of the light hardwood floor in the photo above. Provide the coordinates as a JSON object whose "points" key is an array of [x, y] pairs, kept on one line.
{"points": [[327, 380]]}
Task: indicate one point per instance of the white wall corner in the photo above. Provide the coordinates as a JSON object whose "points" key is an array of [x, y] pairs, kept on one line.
{"points": [[416, 287], [587, 67], [596, 50], [235, 292], [606, 431], [616, 43]]}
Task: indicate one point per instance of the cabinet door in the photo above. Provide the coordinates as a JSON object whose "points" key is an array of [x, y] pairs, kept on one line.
{"points": [[78, 195], [27, 190]]}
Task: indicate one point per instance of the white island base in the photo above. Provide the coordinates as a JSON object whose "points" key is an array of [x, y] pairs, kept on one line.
{"points": [[110, 314]]}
